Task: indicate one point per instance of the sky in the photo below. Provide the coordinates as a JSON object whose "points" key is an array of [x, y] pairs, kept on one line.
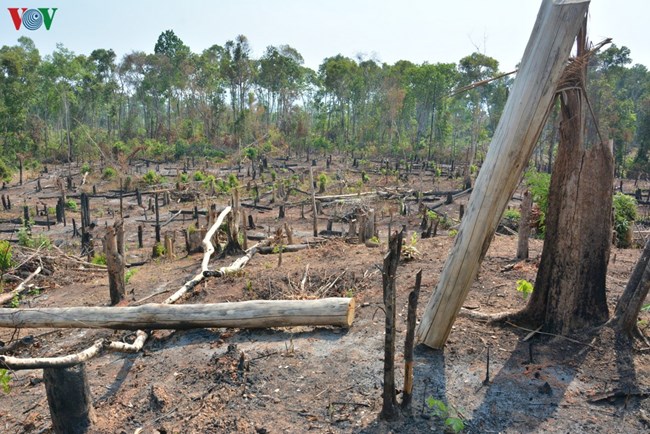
{"points": [[416, 30]]}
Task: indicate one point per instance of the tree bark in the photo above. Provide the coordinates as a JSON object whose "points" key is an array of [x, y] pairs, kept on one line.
{"points": [[115, 261], [69, 399], [389, 409], [512, 145], [409, 341], [570, 288], [245, 314]]}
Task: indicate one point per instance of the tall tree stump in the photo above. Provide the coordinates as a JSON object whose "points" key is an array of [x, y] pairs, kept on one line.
{"points": [[69, 399], [570, 288], [115, 261]]}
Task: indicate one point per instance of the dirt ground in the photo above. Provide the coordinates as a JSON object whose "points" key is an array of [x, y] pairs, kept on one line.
{"points": [[323, 379]]}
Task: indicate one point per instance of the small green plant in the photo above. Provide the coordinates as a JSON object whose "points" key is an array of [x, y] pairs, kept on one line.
{"points": [[85, 168], [199, 176], [453, 233], [512, 214], [129, 274], [151, 177], [374, 240], [191, 229], [323, 180], [625, 212], [5, 171], [109, 173], [99, 259], [539, 184], [364, 177], [448, 415], [26, 239], [248, 287], [274, 175], [71, 205], [525, 287], [473, 169], [646, 308], [15, 302], [5, 379], [184, 177], [158, 250], [410, 250], [233, 182], [6, 261]]}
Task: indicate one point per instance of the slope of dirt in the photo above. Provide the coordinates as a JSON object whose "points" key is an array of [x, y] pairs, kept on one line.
{"points": [[329, 379]]}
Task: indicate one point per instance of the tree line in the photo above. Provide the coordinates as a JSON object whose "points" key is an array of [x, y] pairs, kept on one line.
{"points": [[173, 103]]}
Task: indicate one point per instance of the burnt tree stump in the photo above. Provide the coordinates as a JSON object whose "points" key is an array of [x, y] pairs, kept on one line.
{"points": [[69, 399]]}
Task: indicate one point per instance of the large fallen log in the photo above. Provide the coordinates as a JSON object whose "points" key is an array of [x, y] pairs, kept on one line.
{"points": [[244, 314], [513, 142]]}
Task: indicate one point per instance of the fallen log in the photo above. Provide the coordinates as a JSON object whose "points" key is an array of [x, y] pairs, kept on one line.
{"points": [[266, 250], [20, 288], [245, 314]]}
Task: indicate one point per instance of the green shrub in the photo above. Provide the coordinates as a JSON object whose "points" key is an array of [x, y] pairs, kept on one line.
{"points": [[151, 177], [129, 274], [71, 204], [158, 250], [184, 177], [109, 173], [99, 259], [85, 168], [539, 184], [512, 217], [26, 239], [625, 212], [5, 379], [323, 180], [6, 261], [5, 171], [448, 415], [525, 287], [233, 182], [199, 176]]}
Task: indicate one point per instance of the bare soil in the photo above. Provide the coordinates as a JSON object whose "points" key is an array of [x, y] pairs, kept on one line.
{"points": [[323, 379]]}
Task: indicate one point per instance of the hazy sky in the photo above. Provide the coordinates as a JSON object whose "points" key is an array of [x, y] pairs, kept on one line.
{"points": [[415, 30]]}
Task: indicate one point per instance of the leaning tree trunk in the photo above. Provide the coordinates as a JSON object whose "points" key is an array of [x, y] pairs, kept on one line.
{"points": [[570, 286], [630, 304], [514, 140]]}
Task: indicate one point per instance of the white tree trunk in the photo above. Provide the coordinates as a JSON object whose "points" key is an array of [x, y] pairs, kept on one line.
{"points": [[244, 314], [514, 140]]}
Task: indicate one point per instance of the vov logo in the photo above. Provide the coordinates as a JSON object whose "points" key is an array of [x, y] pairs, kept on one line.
{"points": [[32, 19]]}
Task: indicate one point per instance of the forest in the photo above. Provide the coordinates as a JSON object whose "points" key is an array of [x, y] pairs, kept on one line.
{"points": [[218, 243], [173, 103]]}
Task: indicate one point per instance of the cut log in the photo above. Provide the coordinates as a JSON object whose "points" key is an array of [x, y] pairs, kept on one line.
{"points": [[245, 314], [521, 123]]}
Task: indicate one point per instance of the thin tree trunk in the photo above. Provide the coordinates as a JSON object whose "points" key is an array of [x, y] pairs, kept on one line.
{"points": [[524, 226], [629, 305]]}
